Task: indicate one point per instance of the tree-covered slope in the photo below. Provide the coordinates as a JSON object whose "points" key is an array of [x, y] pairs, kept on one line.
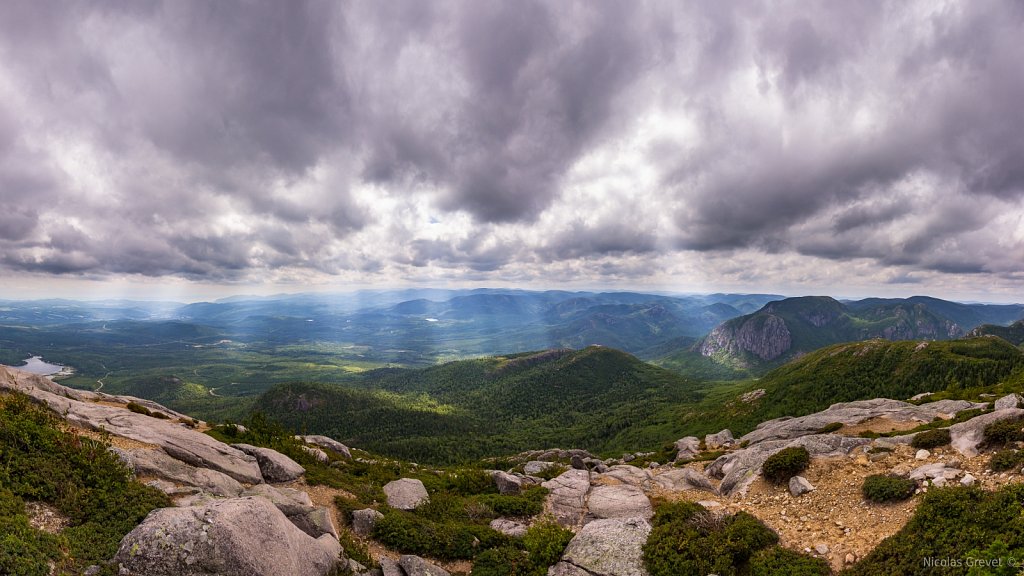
{"points": [[1014, 333], [597, 398], [864, 370]]}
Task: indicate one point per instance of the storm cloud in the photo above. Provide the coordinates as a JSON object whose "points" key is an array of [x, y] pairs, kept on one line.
{"points": [[743, 145]]}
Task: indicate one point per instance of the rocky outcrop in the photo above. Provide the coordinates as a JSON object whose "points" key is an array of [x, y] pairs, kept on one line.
{"points": [[406, 494], [274, 466], [507, 483], [567, 496], [738, 469], [233, 537], [416, 566], [176, 440], [621, 501], [679, 479], [719, 440], [1009, 401], [965, 437], [687, 448], [328, 443], [157, 464], [851, 413], [612, 547], [763, 335], [628, 474]]}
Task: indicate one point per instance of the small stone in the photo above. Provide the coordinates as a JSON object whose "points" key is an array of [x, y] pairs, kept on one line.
{"points": [[821, 549], [850, 558], [798, 486], [922, 454], [939, 482]]}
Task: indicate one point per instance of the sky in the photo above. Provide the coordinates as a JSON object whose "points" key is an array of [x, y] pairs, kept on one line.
{"points": [[187, 149]]}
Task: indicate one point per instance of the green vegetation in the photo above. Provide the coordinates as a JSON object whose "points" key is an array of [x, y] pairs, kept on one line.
{"points": [[931, 438], [1014, 333], [1006, 459], [79, 477], [1004, 432], [887, 488], [954, 523], [687, 539], [785, 464], [779, 561], [540, 548], [598, 398]]}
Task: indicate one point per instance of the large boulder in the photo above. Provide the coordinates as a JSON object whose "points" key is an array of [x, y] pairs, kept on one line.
{"points": [[738, 469], [416, 566], [611, 547], [507, 483], [406, 493], [158, 464], [621, 501], [628, 474], [509, 527], [534, 467], [687, 448], [567, 496], [965, 437], [328, 443], [274, 466], [289, 501], [180, 442], [233, 537], [363, 521], [1008, 401], [679, 479], [719, 440], [851, 413]]}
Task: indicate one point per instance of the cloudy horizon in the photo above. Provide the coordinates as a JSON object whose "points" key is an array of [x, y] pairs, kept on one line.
{"points": [[191, 149]]}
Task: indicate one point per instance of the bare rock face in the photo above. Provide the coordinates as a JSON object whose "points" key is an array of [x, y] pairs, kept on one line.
{"points": [[234, 537], [1009, 401], [406, 493], [720, 440], [687, 448], [850, 413], [180, 442], [328, 443], [507, 483], [612, 547], [158, 464], [967, 436], [567, 498], [765, 336], [274, 466], [629, 475], [621, 501]]}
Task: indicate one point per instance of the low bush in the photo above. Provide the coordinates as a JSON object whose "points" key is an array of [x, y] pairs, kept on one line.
{"points": [[830, 428], [413, 534], [541, 547], [686, 539], [785, 464], [139, 409], [1003, 432], [1005, 460], [931, 439], [504, 561], [887, 488], [529, 503], [779, 561], [545, 541]]}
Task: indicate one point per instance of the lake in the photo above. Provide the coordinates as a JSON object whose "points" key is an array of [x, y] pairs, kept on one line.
{"points": [[36, 365]]}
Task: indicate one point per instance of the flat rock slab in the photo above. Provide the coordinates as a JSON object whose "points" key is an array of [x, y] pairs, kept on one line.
{"points": [[274, 466], [509, 527], [176, 440], [158, 464], [234, 537], [851, 413], [679, 479], [567, 496], [628, 474], [406, 493], [611, 547], [619, 502], [416, 566]]}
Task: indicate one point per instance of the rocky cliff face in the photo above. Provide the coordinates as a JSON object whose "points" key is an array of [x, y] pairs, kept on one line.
{"points": [[766, 337]]}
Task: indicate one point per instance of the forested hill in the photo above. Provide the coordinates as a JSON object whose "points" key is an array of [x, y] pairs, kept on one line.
{"points": [[871, 369], [1014, 333], [596, 398]]}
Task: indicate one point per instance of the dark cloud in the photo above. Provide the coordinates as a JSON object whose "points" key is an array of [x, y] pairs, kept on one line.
{"points": [[225, 140]]}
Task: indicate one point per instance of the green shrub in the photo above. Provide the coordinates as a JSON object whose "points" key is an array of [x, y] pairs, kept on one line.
{"points": [[1003, 432], [785, 464], [529, 503], [355, 548], [413, 534], [686, 539], [931, 438], [545, 541], [830, 428], [504, 561], [954, 522], [1005, 460], [887, 488], [139, 409], [779, 561]]}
